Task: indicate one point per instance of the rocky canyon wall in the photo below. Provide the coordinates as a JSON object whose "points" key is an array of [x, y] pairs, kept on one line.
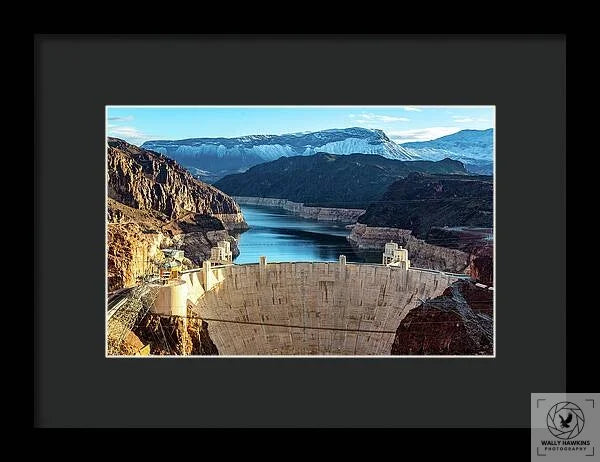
{"points": [[458, 322], [421, 254], [134, 240], [130, 253], [175, 336], [481, 265], [147, 180], [154, 203]]}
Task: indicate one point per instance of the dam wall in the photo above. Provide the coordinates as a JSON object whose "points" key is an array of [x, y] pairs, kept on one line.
{"points": [[315, 213], [312, 308]]}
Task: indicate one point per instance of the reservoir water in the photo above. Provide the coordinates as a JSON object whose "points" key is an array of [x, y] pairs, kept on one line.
{"points": [[283, 236]]}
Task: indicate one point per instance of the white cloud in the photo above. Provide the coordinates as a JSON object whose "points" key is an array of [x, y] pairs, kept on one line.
{"points": [[412, 108], [129, 134], [121, 118], [463, 119], [420, 134], [367, 117]]}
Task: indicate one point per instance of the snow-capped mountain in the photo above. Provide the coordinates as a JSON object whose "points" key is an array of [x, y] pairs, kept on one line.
{"points": [[213, 158], [474, 148]]}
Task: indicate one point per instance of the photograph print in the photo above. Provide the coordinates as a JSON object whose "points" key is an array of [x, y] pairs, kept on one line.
{"points": [[300, 231]]}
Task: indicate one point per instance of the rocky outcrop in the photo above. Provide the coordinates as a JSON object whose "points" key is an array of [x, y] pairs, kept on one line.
{"points": [[421, 254], [131, 253], [459, 322], [146, 180], [153, 203], [135, 239], [481, 265], [316, 213], [175, 336], [131, 345], [202, 344], [197, 245]]}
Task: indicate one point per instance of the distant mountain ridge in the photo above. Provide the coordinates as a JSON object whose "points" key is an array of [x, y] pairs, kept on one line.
{"points": [[212, 158], [329, 180], [474, 148]]}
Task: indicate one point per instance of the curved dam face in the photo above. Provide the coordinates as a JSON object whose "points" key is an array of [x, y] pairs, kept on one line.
{"points": [[312, 308]]}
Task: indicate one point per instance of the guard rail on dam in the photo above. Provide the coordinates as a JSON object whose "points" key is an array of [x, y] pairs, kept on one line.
{"points": [[301, 308]]}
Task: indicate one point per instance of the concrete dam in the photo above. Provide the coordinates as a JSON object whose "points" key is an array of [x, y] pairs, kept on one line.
{"points": [[301, 308]]}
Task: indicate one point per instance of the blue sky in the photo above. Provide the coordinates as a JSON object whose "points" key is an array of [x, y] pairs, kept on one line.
{"points": [[401, 123]]}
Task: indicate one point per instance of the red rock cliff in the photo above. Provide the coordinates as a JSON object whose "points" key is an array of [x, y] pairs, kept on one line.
{"points": [[458, 322]]}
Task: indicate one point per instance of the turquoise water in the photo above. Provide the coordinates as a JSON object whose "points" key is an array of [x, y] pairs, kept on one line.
{"points": [[282, 236]]}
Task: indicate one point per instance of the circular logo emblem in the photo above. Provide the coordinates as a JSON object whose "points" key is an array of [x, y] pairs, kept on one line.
{"points": [[565, 420]]}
